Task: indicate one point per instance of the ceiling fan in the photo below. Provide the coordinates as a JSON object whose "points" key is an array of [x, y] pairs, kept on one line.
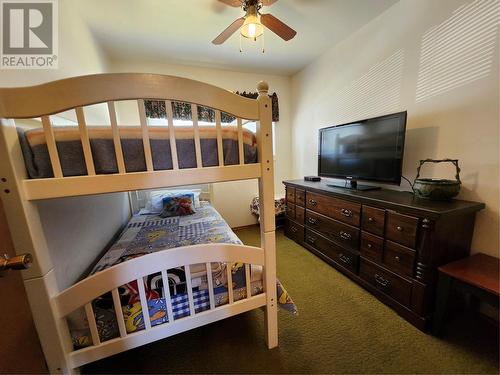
{"points": [[252, 24]]}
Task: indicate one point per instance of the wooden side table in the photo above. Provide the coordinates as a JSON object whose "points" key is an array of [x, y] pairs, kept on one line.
{"points": [[477, 275]]}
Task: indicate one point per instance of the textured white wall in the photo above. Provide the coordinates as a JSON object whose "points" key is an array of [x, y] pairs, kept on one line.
{"points": [[79, 228], [439, 61], [232, 200]]}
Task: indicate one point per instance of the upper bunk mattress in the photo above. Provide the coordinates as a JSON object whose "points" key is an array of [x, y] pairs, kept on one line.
{"points": [[72, 159]]}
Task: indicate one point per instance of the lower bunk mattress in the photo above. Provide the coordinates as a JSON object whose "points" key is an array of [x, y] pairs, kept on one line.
{"points": [[146, 234]]}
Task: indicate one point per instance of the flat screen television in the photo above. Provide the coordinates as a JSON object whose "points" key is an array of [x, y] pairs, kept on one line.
{"points": [[368, 150]]}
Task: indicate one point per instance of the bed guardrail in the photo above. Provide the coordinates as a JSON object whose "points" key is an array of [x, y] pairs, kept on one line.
{"points": [[77, 93], [83, 293]]}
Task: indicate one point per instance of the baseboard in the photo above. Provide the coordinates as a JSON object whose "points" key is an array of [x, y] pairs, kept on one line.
{"points": [[245, 227]]}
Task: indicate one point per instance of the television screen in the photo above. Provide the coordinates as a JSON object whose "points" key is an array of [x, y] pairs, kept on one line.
{"points": [[370, 150]]}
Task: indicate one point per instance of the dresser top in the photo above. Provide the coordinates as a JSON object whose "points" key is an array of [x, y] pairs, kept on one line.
{"points": [[398, 200]]}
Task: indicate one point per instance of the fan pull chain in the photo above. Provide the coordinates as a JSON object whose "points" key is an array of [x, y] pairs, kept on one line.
{"points": [[263, 49], [241, 49]]}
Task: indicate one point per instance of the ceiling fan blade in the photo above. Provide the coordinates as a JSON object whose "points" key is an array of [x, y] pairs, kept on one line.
{"points": [[232, 3], [267, 3], [276, 26], [230, 30]]}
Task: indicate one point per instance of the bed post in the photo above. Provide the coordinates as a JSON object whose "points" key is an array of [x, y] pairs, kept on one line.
{"points": [[28, 237], [267, 220]]}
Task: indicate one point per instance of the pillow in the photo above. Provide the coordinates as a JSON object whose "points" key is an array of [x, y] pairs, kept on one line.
{"points": [[179, 205], [155, 202]]}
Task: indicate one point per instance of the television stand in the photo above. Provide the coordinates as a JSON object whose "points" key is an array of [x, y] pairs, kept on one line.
{"points": [[352, 185]]}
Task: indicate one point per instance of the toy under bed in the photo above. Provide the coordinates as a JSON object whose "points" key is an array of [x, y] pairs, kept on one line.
{"points": [[145, 234]]}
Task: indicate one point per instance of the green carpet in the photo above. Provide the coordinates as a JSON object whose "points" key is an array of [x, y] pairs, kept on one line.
{"points": [[341, 328]]}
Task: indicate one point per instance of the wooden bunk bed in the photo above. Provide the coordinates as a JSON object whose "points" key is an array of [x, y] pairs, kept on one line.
{"points": [[19, 193]]}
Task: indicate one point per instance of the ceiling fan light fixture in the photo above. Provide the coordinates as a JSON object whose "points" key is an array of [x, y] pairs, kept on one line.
{"points": [[252, 27]]}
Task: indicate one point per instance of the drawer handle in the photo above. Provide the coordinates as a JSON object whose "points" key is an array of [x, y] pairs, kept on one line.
{"points": [[345, 235], [382, 281], [345, 259], [371, 219], [312, 202], [346, 212], [400, 229], [311, 239], [294, 229], [369, 245], [397, 258], [312, 220]]}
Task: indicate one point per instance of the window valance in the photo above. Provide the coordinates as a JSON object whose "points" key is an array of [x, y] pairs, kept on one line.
{"points": [[182, 111]]}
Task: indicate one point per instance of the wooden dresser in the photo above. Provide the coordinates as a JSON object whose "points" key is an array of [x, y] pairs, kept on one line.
{"points": [[387, 241]]}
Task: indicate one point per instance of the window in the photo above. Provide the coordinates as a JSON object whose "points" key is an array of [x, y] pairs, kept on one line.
{"points": [[252, 126]]}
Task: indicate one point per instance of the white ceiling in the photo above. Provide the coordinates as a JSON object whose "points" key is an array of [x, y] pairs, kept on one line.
{"points": [[181, 31]]}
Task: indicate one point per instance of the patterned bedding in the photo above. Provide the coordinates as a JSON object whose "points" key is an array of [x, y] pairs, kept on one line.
{"points": [[145, 234], [279, 206], [72, 160]]}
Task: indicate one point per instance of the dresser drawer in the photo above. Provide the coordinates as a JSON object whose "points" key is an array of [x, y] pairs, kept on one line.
{"points": [[290, 210], [390, 284], [342, 234], [290, 195], [399, 259], [294, 231], [300, 197], [373, 220], [343, 257], [300, 213], [371, 246], [401, 229], [345, 211]]}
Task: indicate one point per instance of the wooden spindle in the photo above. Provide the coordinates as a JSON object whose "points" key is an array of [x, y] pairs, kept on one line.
{"points": [[230, 292], [50, 140], [94, 333], [210, 285], [144, 303], [196, 129], [168, 299], [220, 148], [145, 135], [116, 138], [248, 280], [84, 137], [171, 132], [189, 288], [241, 150], [119, 313]]}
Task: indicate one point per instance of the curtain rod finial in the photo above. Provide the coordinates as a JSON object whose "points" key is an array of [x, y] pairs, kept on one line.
{"points": [[263, 87]]}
